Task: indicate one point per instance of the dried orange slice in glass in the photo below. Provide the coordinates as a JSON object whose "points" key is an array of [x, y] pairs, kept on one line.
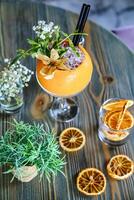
{"points": [[111, 119], [91, 181], [120, 167], [118, 105], [72, 139]]}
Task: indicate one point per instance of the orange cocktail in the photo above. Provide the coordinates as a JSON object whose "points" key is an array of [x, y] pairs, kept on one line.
{"points": [[66, 83], [64, 68]]}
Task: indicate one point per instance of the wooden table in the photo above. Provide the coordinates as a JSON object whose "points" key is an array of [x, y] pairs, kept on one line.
{"points": [[112, 77]]}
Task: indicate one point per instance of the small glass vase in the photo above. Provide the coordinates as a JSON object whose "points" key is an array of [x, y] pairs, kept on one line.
{"points": [[14, 104]]}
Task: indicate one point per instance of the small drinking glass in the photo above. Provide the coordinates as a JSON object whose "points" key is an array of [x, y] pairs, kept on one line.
{"points": [[14, 104], [108, 135]]}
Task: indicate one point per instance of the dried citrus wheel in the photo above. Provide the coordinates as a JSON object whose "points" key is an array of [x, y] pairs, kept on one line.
{"points": [[118, 105], [91, 181], [72, 139], [120, 167], [111, 119]]}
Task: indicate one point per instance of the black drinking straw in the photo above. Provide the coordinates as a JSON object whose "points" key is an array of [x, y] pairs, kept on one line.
{"points": [[81, 23]]}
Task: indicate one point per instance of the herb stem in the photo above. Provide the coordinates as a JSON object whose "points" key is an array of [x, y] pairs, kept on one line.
{"points": [[72, 34]]}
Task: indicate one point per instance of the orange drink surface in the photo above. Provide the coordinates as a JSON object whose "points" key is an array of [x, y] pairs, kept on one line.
{"points": [[67, 82]]}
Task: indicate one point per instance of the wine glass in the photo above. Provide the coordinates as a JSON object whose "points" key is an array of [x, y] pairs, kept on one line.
{"points": [[64, 85]]}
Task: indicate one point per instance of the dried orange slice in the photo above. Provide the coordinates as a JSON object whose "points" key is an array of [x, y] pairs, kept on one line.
{"points": [[111, 119], [118, 105], [120, 167], [72, 139], [91, 181]]}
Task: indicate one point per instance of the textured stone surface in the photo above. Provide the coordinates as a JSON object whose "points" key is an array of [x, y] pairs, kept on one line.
{"points": [[106, 18], [126, 18], [121, 5], [108, 13]]}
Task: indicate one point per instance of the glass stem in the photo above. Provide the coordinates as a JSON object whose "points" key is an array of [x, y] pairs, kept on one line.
{"points": [[64, 109], [63, 104]]}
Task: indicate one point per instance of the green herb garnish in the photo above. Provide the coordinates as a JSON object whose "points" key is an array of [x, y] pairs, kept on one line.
{"points": [[28, 145]]}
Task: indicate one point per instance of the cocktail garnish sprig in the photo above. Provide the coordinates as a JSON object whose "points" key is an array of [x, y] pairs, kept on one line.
{"points": [[49, 46]]}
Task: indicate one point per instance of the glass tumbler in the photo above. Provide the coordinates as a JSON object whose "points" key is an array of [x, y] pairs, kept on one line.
{"points": [[107, 120]]}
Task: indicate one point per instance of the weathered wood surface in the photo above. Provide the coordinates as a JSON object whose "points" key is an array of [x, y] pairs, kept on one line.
{"points": [[112, 77]]}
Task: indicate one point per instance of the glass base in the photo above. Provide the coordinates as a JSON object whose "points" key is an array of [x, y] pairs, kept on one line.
{"points": [[64, 110], [109, 142], [12, 105], [11, 108]]}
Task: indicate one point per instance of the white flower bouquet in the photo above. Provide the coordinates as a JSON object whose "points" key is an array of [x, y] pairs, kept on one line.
{"points": [[12, 80]]}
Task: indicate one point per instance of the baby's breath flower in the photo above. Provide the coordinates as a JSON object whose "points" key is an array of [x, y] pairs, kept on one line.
{"points": [[12, 79], [42, 36], [34, 28], [40, 23], [56, 27], [6, 60], [43, 28]]}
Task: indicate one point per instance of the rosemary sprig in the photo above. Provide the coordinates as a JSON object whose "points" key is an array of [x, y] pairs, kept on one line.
{"points": [[27, 144]]}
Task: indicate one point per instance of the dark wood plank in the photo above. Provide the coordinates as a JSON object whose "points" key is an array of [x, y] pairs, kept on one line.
{"points": [[112, 77]]}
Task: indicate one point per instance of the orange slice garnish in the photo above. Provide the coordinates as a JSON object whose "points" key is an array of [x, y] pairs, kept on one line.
{"points": [[72, 139], [120, 167], [111, 119], [118, 105], [91, 181]]}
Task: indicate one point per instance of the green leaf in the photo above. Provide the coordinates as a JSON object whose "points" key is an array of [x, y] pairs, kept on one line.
{"points": [[32, 42]]}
